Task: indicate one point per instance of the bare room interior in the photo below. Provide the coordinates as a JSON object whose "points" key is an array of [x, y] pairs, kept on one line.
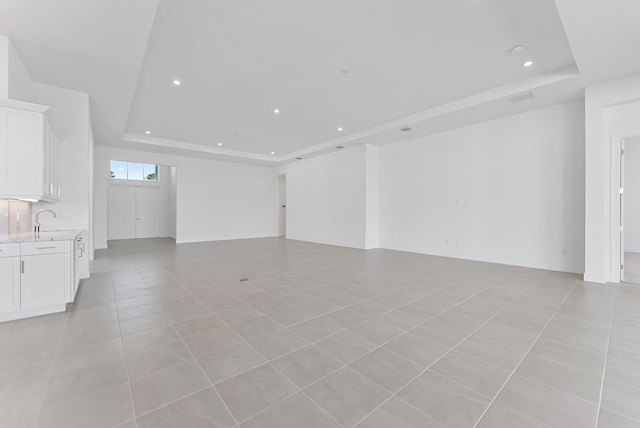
{"points": [[319, 214]]}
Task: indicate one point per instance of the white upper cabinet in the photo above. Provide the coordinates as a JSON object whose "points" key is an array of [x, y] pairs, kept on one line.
{"points": [[29, 153]]}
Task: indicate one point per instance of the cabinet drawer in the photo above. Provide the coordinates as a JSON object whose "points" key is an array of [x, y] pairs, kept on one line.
{"points": [[45, 247], [9, 250]]}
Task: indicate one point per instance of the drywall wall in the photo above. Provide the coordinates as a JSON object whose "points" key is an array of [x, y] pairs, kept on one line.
{"points": [[604, 104], [326, 198], [20, 84], [4, 67], [215, 200], [15, 82], [69, 118], [509, 191], [632, 196], [372, 193], [173, 189]]}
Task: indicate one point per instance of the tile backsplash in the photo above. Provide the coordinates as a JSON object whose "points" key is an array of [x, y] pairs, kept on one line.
{"points": [[15, 217]]}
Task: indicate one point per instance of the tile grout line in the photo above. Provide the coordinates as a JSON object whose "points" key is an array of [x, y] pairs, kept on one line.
{"points": [[622, 414], [53, 362], [606, 357], [334, 334], [300, 390], [525, 356], [440, 358], [314, 342], [195, 360], [383, 344], [342, 330], [455, 282], [124, 357]]}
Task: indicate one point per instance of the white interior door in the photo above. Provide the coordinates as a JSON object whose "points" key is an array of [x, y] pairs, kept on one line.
{"points": [[122, 212], [282, 205], [147, 208]]}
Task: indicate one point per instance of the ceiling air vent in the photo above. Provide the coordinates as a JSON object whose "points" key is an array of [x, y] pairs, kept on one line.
{"points": [[521, 97], [406, 128]]}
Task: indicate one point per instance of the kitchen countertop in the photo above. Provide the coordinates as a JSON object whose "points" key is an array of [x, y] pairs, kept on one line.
{"points": [[45, 235]]}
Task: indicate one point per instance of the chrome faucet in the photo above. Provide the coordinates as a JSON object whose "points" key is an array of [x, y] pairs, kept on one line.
{"points": [[36, 224]]}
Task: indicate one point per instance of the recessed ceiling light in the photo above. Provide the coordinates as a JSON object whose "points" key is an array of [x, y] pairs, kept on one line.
{"points": [[345, 70], [527, 63], [517, 50], [276, 110], [147, 132], [219, 144], [177, 82], [339, 129], [273, 153]]}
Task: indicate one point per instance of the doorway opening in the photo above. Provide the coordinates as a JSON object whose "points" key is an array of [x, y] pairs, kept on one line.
{"points": [[142, 201], [281, 207], [630, 210]]}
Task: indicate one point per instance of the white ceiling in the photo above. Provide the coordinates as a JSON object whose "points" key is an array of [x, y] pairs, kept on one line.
{"points": [[433, 65]]}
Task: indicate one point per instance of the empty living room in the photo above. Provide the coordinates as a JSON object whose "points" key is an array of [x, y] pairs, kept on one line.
{"points": [[319, 214]]}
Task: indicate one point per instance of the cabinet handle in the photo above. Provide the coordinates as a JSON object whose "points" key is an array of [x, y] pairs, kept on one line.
{"points": [[22, 266], [46, 248]]}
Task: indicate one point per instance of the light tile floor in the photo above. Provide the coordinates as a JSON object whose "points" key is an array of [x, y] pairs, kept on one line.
{"points": [[320, 336], [632, 268]]}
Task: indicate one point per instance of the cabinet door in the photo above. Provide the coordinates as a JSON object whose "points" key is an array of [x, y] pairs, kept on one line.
{"points": [[21, 153], [9, 284], [44, 279]]}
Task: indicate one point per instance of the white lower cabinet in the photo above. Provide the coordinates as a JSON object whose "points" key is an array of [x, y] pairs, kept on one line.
{"points": [[9, 284], [44, 279], [35, 278]]}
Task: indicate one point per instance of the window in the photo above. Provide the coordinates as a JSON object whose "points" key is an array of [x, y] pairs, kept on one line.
{"points": [[121, 170]]}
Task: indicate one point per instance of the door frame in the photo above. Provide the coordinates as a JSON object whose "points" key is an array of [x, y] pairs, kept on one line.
{"points": [[131, 184], [279, 205], [616, 207]]}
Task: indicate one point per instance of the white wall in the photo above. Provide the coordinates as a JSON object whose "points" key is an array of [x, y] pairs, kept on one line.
{"points": [[508, 191], [326, 198], [69, 118], [600, 125], [20, 84], [372, 210], [4, 67], [632, 196], [215, 200], [173, 189]]}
